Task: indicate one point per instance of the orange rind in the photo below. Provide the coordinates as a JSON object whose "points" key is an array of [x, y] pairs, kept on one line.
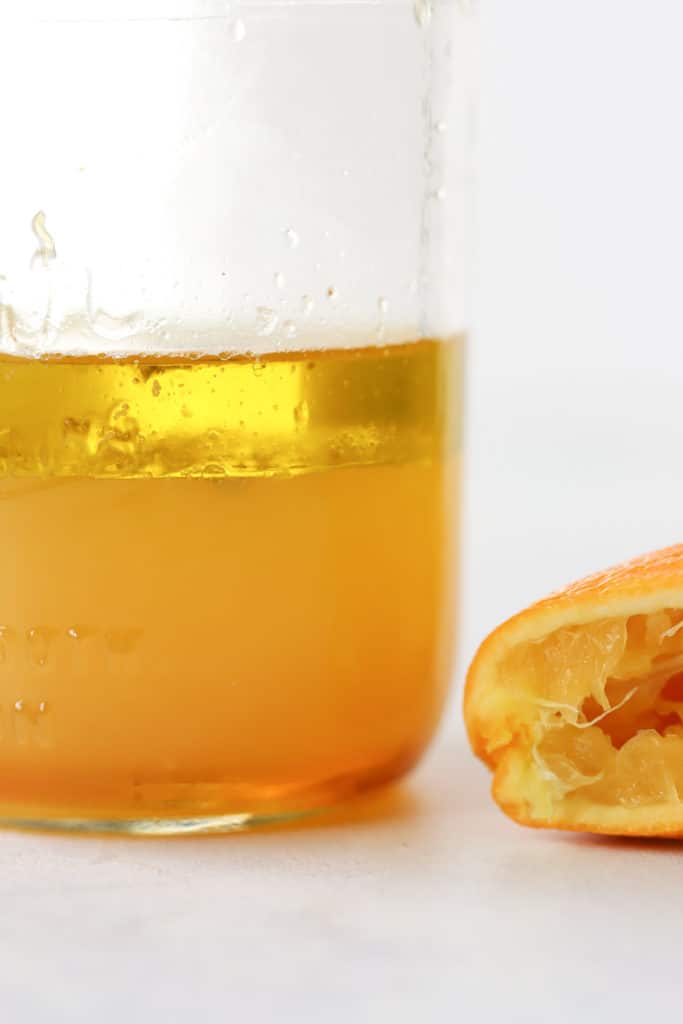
{"points": [[576, 704]]}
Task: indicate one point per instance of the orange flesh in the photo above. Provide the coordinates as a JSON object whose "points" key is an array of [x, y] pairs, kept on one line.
{"points": [[239, 605], [598, 712]]}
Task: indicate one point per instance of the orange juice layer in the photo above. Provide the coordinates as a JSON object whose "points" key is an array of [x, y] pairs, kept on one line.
{"points": [[227, 585]]}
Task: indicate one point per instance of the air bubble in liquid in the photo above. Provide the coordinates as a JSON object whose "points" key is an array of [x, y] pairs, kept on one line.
{"points": [[301, 413]]}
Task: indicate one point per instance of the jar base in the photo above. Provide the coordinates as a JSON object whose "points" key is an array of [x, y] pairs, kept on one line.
{"points": [[219, 824], [186, 819]]}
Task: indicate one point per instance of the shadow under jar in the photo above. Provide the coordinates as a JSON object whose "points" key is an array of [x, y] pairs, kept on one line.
{"points": [[231, 339]]}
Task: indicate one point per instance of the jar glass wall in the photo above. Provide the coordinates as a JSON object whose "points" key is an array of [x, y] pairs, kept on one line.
{"points": [[231, 333]]}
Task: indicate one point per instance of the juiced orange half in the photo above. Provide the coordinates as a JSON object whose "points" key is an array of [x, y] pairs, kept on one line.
{"points": [[576, 704]]}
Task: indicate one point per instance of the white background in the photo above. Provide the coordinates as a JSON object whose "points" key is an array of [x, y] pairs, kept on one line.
{"points": [[426, 904]]}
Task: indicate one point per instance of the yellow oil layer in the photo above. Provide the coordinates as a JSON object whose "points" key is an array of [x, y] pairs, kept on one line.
{"points": [[283, 414], [601, 713], [227, 585]]}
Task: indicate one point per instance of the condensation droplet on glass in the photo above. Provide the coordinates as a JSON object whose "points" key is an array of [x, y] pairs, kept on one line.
{"points": [[73, 633], [423, 12], [307, 305], [156, 388], [332, 293], [292, 238], [42, 707], [346, 172], [19, 705], [279, 279], [46, 250], [289, 329], [440, 193], [266, 321], [239, 30], [38, 646], [440, 127], [382, 308]]}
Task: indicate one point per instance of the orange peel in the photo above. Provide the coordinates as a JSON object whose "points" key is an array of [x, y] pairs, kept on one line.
{"points": [[576, 704]]}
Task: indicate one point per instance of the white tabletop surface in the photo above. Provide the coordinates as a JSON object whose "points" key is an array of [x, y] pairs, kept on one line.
{"points": [[423, 903]]}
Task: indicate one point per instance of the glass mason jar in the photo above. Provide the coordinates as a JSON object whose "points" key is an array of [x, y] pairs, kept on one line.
{"points": [[231, 329]]}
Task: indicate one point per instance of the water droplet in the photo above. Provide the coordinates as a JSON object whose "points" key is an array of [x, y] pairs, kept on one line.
{"points": [[307, 305], [213, 435], [266, 321], [46, 250], [383, 305], [166, 335], [73, 633], [5, 635], [156, 388], [440, 127], [332, 294], [423, 12], [42, 707], [440, 193], [38, 646], [19, 705], [239, 30], [279, 279], [114, 328], [346, 172], [292, 238], [301, 413], [289, 329]]}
